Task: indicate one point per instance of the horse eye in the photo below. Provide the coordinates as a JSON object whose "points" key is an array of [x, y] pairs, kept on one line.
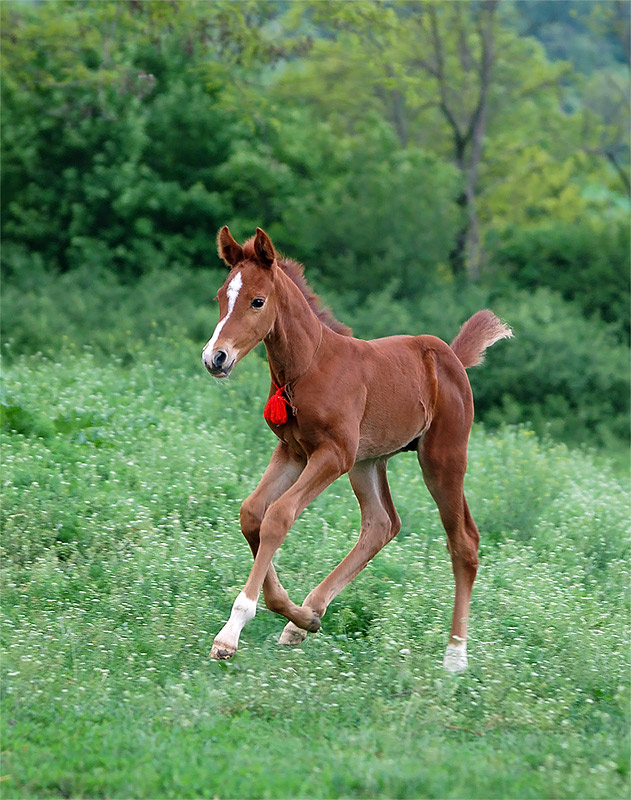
{"points": [[258, 302]]}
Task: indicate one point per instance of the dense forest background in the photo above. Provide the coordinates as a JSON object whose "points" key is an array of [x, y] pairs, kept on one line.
{"points": [[422, 159]]}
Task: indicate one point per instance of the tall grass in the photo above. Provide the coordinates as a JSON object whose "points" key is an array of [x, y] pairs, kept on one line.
{"points": [[122, 556]]}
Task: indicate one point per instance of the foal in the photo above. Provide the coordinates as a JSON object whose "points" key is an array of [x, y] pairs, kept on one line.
{"points": [[339, 404]]}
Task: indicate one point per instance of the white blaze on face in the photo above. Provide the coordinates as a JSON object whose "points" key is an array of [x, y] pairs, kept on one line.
{"points": [[233, 292]]}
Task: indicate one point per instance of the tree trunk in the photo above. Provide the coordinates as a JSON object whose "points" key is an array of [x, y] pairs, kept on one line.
{"points": [[458, 253], [468, 135]]}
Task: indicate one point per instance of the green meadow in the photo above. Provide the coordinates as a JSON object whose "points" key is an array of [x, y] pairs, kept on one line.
{"points": [[423, 160], [122, 479]]}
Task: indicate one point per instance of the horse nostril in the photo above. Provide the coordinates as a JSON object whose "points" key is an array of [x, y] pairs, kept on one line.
{"points": [[219, 359]]}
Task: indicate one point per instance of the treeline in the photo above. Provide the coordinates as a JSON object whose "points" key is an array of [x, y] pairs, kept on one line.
{"points": [[421, 158]]}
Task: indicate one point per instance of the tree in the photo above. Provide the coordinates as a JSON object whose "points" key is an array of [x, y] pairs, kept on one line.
{"points": [[445, 75], [98, 101]]}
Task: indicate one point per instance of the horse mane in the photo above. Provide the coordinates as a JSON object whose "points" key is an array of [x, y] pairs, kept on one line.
{"points": [[295, 272]]}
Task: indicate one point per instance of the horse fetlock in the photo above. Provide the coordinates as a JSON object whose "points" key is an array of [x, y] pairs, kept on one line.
{"points": [[307, 618], [227, 640], [315, 623]]}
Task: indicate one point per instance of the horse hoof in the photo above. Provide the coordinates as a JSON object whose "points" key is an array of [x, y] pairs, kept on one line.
{"points": [[221, 652], [292, 635]]}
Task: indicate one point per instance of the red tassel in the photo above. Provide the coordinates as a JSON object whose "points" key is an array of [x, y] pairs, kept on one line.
{"points": [[276, 407]]}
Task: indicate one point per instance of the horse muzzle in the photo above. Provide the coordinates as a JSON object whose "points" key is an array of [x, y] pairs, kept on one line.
{"points": [[219, 363]]}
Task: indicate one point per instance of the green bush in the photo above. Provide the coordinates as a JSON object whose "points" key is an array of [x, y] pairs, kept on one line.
{"points": [[564, 374], [581, 262], [353, 215], [135, 168], [48, 313]]}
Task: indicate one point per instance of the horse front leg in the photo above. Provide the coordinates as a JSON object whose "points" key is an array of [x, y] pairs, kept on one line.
{"points": [[282, 472], [323, 467], [379, 524]]}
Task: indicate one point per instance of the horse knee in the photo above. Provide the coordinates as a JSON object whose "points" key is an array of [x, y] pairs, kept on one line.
{"points": [[470, 558], [472, 529], [376, 533]]}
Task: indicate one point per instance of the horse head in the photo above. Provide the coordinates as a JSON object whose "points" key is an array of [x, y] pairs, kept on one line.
{"points": [[247, 302]]}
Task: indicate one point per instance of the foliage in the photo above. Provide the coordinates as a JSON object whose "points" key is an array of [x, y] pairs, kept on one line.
{"points": [[49, 314], [109, 186], [122, 556], [458, 79], [564, 374], [360, 250], [287, 125], [567, 30], [95, 173], [590, 266]]}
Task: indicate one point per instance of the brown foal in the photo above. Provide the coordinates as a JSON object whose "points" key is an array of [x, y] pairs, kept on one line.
{"points": [[349, 406]]}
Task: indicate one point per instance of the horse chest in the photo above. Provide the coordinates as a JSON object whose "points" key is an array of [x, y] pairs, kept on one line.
{"points": [[291, 435]]}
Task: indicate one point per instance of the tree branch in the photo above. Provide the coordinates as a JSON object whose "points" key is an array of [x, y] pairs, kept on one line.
{"points": [[621, 172], [460, 141]]}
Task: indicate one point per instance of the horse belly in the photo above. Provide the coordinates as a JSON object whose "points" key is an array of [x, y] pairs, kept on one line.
{"points": [[391, 427]]}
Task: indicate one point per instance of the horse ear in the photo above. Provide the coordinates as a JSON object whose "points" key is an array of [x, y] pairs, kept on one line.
{"points": [[264, 249], [228, 249]]}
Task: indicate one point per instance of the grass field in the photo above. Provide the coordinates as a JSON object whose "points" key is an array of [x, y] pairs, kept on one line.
{"points": [[122, 555]]}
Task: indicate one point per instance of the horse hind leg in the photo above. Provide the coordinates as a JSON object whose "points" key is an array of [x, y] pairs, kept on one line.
{"points": [[443, 468], [379, 524]]}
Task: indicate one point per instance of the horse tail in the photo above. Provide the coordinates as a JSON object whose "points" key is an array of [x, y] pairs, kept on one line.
{"points": [[479, 332]]}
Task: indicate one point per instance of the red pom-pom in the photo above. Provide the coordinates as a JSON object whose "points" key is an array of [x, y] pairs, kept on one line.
{"points": [[276, 407]]}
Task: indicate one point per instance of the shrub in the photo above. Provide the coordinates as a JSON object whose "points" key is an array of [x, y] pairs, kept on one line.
{"points": [[582, 263], [564, 374], [45, 313]]}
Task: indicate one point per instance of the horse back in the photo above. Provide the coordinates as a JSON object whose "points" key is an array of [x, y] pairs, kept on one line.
{"points": [[408, 381]]}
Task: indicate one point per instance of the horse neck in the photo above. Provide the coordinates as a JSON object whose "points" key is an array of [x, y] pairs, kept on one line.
{"points": [[295, 336]]}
